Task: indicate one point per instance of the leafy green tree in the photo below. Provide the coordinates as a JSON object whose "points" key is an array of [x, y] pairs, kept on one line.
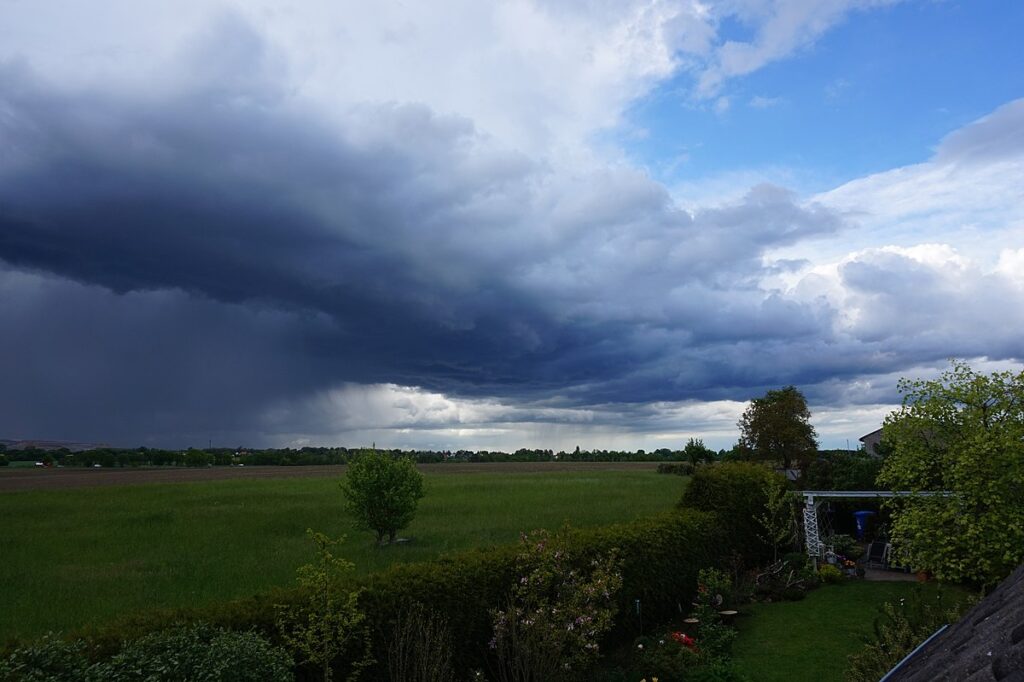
{"points": [[777, 428], [330, 623], [381, 492], [696, 452], [777, 521], [841, 470], [962, 433]]}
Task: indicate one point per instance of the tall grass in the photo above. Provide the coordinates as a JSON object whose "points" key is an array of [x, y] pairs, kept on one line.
{"points": [[68, 558]]}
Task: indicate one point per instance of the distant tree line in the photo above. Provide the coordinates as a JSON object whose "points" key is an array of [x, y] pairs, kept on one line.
{"points": [[694, 452]]}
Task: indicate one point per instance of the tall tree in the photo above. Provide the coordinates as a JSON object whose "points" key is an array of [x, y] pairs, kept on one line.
{"points": [[778, 428], [962, 433]]}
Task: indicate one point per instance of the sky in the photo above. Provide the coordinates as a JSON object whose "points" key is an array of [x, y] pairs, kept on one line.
{"points": [[494, 225]]}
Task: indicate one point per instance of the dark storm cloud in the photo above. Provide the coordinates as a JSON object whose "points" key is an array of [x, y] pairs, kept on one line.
{"points": [[207, 255]]}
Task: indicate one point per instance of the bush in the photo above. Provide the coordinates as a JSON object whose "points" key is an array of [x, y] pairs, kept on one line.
{"points": [[796, 560], [199, 653], [845, 545], [737, 492], [677, 468], [669, 657], [49, 659], [830, 574], [381, 492], [899, 629], [196, 653], [555, 615], [328, 624]]}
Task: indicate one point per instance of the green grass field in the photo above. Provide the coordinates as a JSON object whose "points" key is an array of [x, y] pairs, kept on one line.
{"points": [[809, 640], [72, 557]]}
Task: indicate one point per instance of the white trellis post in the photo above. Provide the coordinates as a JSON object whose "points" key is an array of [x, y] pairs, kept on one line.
{"points": [[811, 529]]}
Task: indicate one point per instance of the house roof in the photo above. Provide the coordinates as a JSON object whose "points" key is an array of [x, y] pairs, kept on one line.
{"points": [[868, 435], [986, 645]]}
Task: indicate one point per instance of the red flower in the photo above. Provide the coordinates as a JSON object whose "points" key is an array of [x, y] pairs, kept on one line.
{"points": [[685, 640]]}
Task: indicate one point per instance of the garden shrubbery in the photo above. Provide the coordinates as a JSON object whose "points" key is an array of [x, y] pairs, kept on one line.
{"points": [[737, 493], [195, 653], [899, 629]]}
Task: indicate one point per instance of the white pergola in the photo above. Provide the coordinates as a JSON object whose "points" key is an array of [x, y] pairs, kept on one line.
{"points": [[813, 498]]}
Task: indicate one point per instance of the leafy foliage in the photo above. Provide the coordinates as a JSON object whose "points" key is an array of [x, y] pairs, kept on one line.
{"points": [[777, 428], [198, 653], [830, 574], [330, 623], [696, 452], [556, 614], [737, 492], [713, 637], [900, 628], [50, 658], [194, 653], [841, 470], [381, 492], [777, 520], [962, 433]]}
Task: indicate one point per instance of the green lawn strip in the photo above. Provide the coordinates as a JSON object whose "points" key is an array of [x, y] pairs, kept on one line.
{"points": [[811, 639], [75, 557]]}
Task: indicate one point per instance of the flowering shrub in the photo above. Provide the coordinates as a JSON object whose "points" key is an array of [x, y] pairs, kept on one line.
{"points": [[555, 615], [830, 574], [685, 640], [667, 658]]}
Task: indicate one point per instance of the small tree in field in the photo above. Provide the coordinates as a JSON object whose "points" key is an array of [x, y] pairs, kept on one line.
{"points": [[381, 492]]}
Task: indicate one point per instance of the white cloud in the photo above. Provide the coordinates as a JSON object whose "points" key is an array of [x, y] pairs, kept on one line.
{"points": [[539, 76], [762, 102], [781, 27], [969, 195]]}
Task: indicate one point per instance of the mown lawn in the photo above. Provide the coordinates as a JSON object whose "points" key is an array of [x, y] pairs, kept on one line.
{"points": [[810, 640], [72, 557]]}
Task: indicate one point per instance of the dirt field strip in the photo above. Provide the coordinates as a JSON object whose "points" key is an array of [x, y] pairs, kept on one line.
{"points": [[40, 478]]}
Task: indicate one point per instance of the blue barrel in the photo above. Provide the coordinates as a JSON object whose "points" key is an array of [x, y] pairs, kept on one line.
{"points": [[862, 522]]}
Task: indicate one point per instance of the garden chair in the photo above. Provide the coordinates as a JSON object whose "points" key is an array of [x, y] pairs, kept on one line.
{"points": [[876, 556]]}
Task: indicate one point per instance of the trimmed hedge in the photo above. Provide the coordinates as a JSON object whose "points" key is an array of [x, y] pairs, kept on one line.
{"points": [[736, 493], [661, 556]]}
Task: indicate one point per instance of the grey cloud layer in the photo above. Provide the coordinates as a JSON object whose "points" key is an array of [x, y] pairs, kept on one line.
{"points": [[204, 257]]}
